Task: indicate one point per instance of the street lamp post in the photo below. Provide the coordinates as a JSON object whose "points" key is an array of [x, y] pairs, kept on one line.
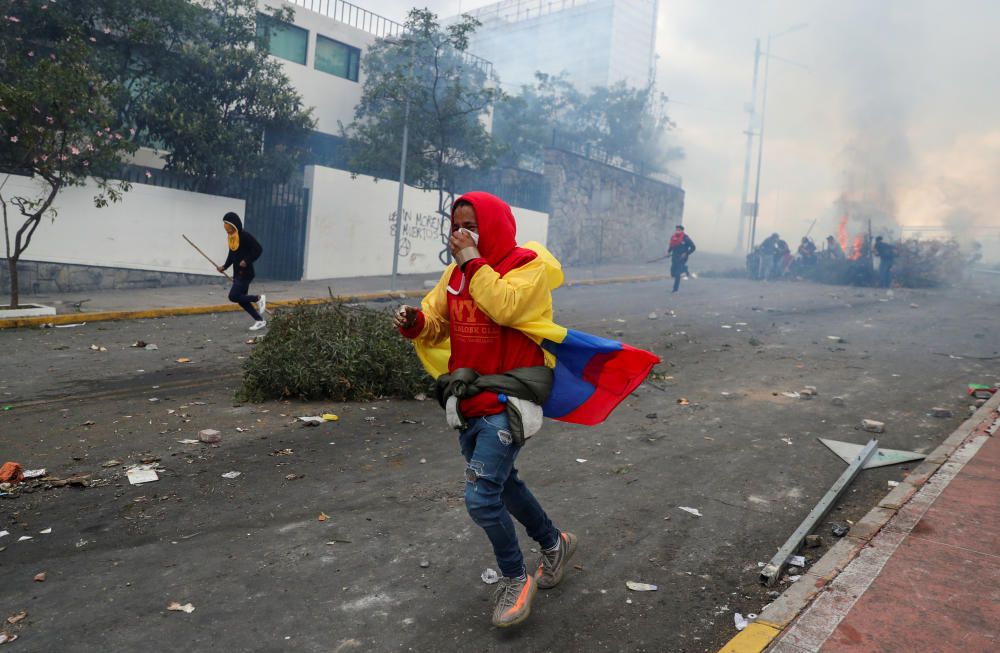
{"points": [[402, 176], [760, 139]]}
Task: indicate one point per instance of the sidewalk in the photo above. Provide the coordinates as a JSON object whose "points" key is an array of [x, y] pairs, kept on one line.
{"points": [[920, 572], [140, 303], [929, 581]]}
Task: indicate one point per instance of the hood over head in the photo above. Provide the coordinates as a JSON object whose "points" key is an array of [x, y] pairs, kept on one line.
{"points": [[497, 228], [234, 220]]}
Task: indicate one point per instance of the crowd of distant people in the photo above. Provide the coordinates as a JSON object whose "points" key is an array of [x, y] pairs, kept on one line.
{"points": [[773, 259]]}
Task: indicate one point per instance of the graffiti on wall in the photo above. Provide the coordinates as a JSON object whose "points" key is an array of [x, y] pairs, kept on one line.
{"points": [[416, 226]]}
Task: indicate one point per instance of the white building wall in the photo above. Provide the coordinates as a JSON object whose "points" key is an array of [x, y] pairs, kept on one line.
{"points": [[331, 98], [141, 232], [351, 221]]}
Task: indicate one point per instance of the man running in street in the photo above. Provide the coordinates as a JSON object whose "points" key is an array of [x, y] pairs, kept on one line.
{"points": [[468, 306], [681, 247], [243, 251], [485, 333]]}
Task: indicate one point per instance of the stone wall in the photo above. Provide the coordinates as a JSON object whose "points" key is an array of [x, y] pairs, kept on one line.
{"points": [[603, 214], [38, 278]]}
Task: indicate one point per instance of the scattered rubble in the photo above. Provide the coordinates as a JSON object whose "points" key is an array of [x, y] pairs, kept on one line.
{"points": [[210, 436], [873, 426]]}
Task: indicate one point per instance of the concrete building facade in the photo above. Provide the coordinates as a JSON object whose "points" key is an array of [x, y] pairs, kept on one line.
{"points": [[596, 42]]}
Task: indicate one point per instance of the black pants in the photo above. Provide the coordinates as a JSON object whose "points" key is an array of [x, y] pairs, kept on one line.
{"points": [[238, 294], [678, 266]]}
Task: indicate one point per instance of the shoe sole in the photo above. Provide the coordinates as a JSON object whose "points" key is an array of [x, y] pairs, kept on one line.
{"points": [[569, 556], [525, 614]]}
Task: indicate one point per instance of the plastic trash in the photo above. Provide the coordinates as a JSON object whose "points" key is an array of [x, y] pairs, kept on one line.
{"points": [[740, 622], [640, 587], [693, 511], [177, 607]]}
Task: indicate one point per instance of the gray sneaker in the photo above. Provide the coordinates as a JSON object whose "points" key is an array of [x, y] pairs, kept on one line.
{"points": [[513, 600], [552, 565]]}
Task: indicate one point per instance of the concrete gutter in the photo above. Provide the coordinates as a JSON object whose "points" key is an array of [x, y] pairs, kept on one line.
{"points": [[152, 313], [777, 616]]}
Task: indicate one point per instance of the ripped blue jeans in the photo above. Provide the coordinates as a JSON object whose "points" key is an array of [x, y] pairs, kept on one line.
{"points": [[493, 492]]}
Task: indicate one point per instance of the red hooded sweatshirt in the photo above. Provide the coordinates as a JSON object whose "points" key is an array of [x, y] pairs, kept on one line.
{"points": [[477, 341]]}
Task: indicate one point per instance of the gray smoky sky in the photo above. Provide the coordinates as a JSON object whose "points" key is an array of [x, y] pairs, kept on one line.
{"points": [[891, 104]]}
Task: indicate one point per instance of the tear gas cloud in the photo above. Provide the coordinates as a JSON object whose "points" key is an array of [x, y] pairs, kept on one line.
{"points": [[882, 106]]}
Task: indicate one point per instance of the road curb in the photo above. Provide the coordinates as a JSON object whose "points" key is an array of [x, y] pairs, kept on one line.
{"points": [[778, 615], [107, 316], [173, 311]]}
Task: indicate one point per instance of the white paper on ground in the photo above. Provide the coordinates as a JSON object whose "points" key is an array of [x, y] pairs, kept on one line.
{"points": [[797, 561], [139, 475], [693, 511], [34, 473], [741, 623], [490, 576]]}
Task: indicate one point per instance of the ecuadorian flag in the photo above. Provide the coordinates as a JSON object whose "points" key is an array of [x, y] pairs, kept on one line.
{"points": [[592, 375]]}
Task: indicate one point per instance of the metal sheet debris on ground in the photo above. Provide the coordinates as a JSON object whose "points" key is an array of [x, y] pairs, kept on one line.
{"points": [[882, 457], [772, 571]]}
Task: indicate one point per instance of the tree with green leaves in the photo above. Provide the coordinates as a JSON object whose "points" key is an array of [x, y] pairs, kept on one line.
{"points": [[202, 87], [59, 123], [628, 125], [449, 94], [83, 84]]}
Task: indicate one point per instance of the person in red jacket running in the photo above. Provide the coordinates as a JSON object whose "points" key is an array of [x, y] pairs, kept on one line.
{"points": [[485, 250]]}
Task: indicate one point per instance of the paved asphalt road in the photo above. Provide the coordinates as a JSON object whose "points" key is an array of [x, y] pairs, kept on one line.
{"points": [[397, 564]]}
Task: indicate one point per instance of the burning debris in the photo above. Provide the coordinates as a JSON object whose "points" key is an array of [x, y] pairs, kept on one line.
{"points": [[863, 253]]}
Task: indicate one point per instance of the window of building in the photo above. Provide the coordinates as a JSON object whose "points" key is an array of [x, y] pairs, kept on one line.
{"points": [[286, 41], [337, 58]]}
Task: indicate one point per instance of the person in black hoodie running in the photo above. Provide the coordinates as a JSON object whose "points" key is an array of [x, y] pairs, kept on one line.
{"points": [[243, 251]]}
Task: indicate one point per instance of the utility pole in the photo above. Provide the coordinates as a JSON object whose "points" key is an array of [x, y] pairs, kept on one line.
{"points": [[751, 111], [402, 176], [760, 149], [760, 138]]}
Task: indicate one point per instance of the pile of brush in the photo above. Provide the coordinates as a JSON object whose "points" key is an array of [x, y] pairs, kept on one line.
{"points": [[928, 263], [338, 351]]}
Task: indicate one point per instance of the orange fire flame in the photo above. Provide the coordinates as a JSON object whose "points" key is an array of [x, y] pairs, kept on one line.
{"points": [[855, 250], [857, 247]]}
